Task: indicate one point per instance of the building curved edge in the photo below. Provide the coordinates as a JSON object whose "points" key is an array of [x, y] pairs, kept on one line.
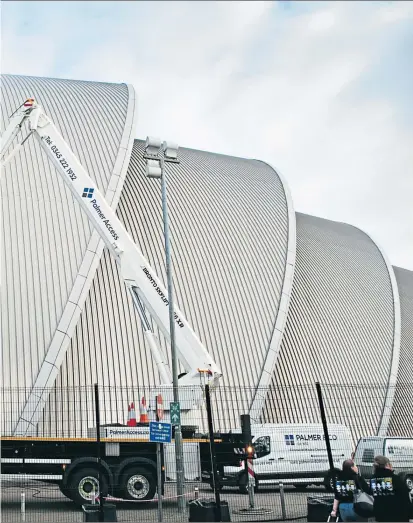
{"points": [[341, 316], [229, 222], [87, 272], [274, 346], [401, 421], [49, 370], [394, 366]]}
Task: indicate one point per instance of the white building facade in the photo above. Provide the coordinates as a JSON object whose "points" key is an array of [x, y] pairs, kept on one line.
{"points": [[278, 298]]}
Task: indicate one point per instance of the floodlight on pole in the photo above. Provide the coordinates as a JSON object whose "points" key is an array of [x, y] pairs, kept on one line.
{"points": [[155, 168], [170, 151], [152, 146]]}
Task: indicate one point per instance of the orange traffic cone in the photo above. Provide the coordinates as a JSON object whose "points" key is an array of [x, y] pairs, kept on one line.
{"points": [[143, 411], [131, 415]]}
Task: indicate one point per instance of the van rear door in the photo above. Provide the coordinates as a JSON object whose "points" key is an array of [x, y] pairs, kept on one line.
{"points": [[367, 448]]}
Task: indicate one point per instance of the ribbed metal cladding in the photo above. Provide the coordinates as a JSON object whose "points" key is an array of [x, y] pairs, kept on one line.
{"points": [[229, 229], [401, 420], [339, 329], [45, 235]]}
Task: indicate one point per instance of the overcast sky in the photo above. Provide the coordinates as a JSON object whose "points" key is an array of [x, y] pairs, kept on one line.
{"points": [[322, 91]]}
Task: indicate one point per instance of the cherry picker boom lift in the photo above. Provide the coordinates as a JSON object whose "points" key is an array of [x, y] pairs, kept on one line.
{"points": [[146, 289], [128, 462]]}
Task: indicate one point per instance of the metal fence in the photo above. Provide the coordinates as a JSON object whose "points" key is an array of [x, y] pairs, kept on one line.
{"points": [[290, 469]]}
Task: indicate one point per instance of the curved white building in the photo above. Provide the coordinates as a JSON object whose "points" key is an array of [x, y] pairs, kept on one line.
{"points": [[401, 417], [343, 328], [239, 254]]}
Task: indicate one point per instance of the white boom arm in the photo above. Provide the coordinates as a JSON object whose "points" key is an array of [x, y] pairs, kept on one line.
{"points": [[139, 277]]}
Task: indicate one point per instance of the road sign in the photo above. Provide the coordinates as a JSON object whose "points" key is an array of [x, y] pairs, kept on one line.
{"points": [[175, 411], [160, 432]]}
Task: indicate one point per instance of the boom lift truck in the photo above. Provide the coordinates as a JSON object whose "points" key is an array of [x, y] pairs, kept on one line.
{"points": [[129, 464], [146, 289]]}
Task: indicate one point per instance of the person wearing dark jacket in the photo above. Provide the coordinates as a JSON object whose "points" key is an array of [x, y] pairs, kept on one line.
{"points": [[346, 483], [390, 493]]}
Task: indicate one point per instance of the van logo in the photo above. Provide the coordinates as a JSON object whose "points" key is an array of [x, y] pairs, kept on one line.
{"points": [[289, 439]]}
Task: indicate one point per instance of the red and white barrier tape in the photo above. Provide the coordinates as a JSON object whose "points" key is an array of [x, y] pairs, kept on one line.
{"points": [[250, 468]]}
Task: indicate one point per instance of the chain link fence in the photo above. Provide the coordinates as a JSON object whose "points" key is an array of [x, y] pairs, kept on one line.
{"points": [[50, 455]]}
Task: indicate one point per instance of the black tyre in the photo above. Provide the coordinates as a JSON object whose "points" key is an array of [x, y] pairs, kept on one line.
{"points": [[65, 491], [84, 484], [138, 483], [243, 484]]}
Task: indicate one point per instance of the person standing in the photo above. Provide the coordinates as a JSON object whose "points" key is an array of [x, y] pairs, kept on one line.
{"points": [[346, 483], [390, 493]]}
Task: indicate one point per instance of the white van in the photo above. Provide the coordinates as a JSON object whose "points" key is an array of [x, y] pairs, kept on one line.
{"points": [[398, 450], [294, 454]]}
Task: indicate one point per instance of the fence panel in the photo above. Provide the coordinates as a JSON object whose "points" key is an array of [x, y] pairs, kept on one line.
{"points": [[290, 473]]}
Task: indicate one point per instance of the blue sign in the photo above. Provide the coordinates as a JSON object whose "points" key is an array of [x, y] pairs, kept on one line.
{"points": [[160, 432]]}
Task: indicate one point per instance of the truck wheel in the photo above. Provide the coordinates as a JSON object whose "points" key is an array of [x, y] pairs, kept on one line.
{"points": [[137, 483], [83, 483], [243, 483], [65, 491]]}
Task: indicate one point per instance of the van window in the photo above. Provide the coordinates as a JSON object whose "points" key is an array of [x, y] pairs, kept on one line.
{"points": [[262, 446], [368, 456]]}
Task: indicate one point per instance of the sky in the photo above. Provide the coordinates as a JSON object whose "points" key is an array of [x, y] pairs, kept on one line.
{"points": [[322, 91]]}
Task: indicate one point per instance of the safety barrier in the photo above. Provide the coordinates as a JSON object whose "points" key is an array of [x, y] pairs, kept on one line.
{"points": [[291, 472]]}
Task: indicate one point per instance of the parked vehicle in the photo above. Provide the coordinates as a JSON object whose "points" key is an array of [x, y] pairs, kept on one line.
{"points": [[398, 450], [128, 461], [292, 453], [128, 464]]}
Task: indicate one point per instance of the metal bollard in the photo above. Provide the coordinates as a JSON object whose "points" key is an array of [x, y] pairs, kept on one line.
{"points": [[196, 492], [282, 501], [251, 495], [23, 506]]}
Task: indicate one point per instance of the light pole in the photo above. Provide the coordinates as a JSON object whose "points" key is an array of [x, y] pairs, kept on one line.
{"points": [[155, 168]]}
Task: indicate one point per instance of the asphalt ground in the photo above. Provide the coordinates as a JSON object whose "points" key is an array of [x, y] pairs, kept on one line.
{"points": [[44, 503]]}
